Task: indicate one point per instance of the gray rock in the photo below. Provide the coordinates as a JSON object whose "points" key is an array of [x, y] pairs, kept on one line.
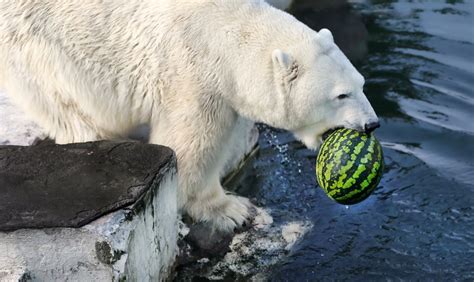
{"points": [[71, 185], [124, 193]]}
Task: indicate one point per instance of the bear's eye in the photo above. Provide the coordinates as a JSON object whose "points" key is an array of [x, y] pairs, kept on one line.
{"points": [[343, 96]]}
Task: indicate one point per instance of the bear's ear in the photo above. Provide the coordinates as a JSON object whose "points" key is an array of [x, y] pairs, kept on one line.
{"points": [[326, 34], [284, 66]]}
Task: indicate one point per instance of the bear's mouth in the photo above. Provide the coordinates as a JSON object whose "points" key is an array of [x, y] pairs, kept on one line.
{"points": [[328, 132]]}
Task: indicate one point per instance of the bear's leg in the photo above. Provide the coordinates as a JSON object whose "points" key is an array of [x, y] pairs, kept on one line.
{"points": [[202, 148], [244, 139]]}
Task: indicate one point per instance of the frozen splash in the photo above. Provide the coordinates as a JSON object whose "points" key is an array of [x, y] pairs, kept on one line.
{"points": [[254, 251]]}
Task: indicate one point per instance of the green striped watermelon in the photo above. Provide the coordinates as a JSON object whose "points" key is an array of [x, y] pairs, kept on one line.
{"points": [[349, 165]]}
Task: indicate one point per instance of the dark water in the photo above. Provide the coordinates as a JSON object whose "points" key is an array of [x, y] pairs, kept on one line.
{"points": [[419, 223]]}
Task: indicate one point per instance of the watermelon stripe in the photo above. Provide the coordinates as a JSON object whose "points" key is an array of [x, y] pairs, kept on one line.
{"points": [[324, 154], [361, 173], [357, 150], [374, 175], [325, 171], [363, 195], [324, 151], [337, 156], [327, 144], [350, 199], [369, 176]]}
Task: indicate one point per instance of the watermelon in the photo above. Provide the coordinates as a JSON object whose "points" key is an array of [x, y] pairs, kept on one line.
{"points": [[349, 165]]}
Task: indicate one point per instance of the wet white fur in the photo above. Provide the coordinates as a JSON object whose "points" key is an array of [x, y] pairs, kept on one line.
{"points": [[200, 72]]}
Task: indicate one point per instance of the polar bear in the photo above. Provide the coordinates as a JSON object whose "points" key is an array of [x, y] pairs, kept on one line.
{"points": [[199, 72]]}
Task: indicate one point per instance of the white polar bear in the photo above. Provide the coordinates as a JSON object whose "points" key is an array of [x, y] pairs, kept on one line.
{"points": [[199, 72]]}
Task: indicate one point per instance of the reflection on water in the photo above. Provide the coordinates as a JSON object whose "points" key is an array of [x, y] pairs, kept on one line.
{"points": [[423, 77], [419, 224]]}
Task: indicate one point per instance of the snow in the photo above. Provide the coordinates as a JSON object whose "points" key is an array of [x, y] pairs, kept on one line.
{"points": [[257, 249]]}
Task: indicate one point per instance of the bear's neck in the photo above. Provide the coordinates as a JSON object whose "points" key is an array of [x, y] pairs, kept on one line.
{"points": [[230, 43]]}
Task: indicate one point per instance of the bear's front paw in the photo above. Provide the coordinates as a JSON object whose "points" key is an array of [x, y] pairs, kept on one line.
{"points": [[226, 213]]}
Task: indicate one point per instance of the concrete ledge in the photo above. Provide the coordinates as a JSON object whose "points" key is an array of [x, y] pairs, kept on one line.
{"points": [[133, 241]]}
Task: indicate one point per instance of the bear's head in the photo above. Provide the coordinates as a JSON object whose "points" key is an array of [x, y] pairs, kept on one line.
{"points": [[320, 90]]}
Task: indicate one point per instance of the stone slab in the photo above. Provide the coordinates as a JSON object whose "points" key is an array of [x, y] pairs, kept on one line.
{"points": [[137, 242], [71, 185]]}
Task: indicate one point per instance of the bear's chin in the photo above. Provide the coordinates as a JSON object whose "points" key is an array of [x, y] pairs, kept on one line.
{"points": [[311, 141]]}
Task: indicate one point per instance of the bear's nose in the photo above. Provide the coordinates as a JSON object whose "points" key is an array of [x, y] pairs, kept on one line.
{"points": [[371, 126]]}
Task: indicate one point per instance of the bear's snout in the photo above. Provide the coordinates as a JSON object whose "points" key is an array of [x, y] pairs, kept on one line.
{"points": [[371, 126]]}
